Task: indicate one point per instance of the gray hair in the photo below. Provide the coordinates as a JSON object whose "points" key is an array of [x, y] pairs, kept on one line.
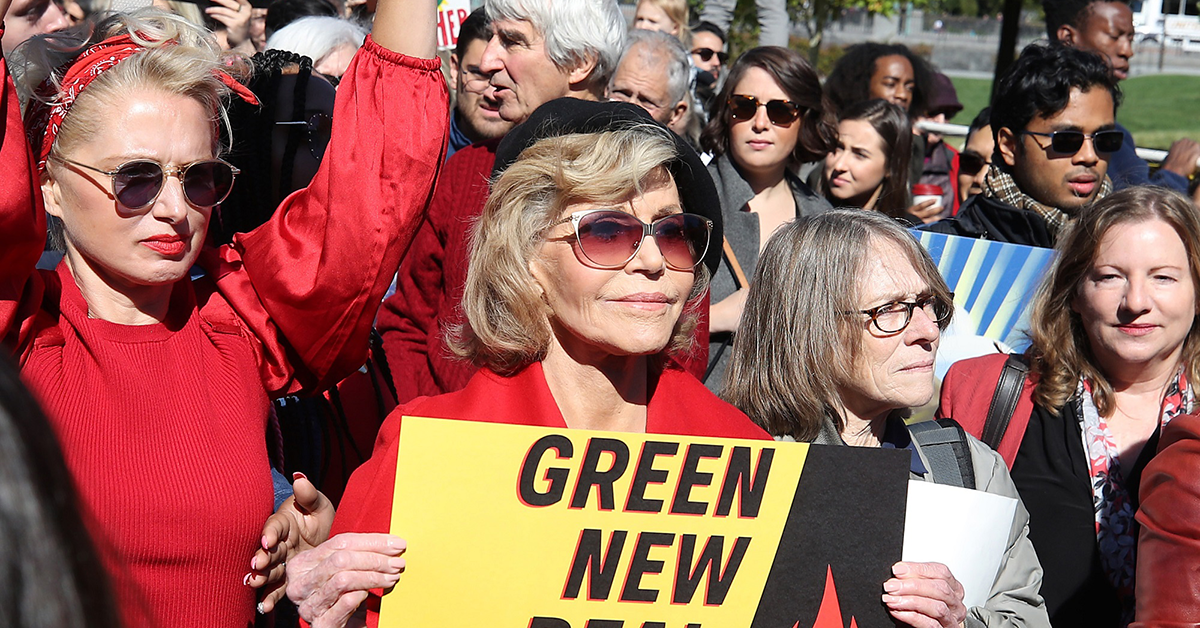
{"points": [[575, 30], [653, 47], [795, 346], [316, 36]]}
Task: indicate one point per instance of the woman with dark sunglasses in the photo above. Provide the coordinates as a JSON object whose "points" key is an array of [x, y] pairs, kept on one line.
{"points": [[1115, 355], [158, 385], [573, 313], [769, 119], [837, 343]]}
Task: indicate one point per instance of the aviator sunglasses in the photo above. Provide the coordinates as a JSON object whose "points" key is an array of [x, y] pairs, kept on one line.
{"points": [[610, 239], [137, 184], [779, 112], [1069, 142]]}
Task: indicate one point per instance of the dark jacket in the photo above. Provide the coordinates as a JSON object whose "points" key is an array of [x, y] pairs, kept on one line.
{"points": [[1126, 169], [992, 219], [741, 230]]}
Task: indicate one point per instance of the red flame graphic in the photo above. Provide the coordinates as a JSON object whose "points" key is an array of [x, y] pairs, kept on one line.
{"points": [[830, 613]]}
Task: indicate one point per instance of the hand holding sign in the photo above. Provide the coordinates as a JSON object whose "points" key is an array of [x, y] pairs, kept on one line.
{"points": [[329, 583], [924, 595]]}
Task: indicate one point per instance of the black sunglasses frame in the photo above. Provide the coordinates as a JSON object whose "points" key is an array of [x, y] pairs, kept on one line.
{"points": [[1071, 142], [706, 54], [971, 163]]}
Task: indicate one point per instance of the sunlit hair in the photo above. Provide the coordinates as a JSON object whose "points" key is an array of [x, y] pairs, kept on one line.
{"points": [[575, 30], [317, 36], [893, 127], [655, 47], [1061, 352], [507, 324], [183, 67], [797, 79], [677, 12], [800, 333]]}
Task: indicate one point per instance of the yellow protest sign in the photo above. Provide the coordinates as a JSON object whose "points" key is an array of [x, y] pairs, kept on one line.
{"points": [[533, 527]]}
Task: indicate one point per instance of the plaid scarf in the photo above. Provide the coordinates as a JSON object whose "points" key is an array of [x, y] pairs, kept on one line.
{"points": [[1000, 185]]}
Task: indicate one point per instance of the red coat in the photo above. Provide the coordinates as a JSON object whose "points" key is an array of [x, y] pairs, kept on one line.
{"points": [[163, 426], [429, 285], [679, 404], [1168, 560], [967, 392]]}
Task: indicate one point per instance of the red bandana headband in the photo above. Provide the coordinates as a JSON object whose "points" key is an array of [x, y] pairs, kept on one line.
{"points": [[46, 112]]}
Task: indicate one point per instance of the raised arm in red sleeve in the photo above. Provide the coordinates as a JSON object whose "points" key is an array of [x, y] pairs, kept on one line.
{"points": [[22, 224], [309, 281]]}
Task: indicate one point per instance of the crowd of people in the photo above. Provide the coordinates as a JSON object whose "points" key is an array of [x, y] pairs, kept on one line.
{"points": [[238, 243]]}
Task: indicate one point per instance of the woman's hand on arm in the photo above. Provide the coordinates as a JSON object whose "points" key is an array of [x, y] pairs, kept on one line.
{"points": [[407, 26], [301, 523], [726, 314], [924, 595], [330, 582]]}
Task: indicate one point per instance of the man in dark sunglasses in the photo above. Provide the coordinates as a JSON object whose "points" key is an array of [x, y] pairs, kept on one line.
{"points": [[1046, 166], [1106, 28], [975, 160]]}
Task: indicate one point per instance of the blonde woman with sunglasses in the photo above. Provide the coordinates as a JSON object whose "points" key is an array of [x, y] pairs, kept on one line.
{"points": [[158, 384], [597, 237], [768, 120]]}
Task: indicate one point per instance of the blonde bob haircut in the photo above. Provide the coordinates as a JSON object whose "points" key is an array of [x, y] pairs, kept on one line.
{"points": [[801, 333], [180, 58], [1061, 352], [507, 322]]}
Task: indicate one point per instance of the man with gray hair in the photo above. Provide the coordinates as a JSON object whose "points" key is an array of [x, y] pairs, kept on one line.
{"points": [[539, 50], [653, 74]]}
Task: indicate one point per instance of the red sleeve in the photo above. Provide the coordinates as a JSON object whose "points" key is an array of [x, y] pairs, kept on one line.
{"points": [[967, 392], [308, 282], [22, 225], [431, 278], [1168, 558], [409, 317]]}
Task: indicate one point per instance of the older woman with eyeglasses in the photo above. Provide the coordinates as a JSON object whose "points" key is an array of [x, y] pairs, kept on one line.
{"points": [[158, 384], [837, 343], [768, 120], [586, 270]]}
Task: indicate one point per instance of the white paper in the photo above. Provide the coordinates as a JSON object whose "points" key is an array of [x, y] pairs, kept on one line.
{"points": [[963, 529]]}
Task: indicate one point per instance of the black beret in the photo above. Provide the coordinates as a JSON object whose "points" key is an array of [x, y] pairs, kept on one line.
{"points": [[565, 116]]}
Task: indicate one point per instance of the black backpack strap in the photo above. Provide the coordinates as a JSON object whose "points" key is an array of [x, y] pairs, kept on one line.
{"points": [[944, 444], [1004, 401]]}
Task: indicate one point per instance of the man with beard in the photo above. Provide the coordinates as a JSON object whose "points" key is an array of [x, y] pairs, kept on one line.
{"points": [[1054, 122], [476, 115]]}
